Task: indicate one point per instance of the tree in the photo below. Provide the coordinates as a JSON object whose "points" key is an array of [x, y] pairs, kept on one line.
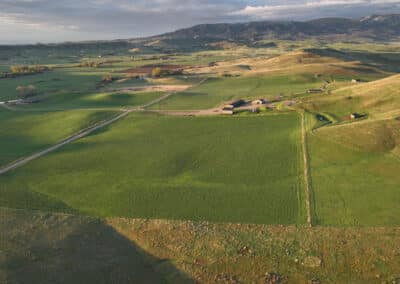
{"points": [[26, 91], [156, 72], [107, 79]]}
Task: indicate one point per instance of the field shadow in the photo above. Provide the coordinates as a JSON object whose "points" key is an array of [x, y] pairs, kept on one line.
{"points": [[386, 61], [55, 248]]}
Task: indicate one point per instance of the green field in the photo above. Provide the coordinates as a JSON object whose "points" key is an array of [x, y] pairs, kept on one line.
{"points": [[50, 83], [215, 91], [355, 182], [246, 169], [23, 133]]}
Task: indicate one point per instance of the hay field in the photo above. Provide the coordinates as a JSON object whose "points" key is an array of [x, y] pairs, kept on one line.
{"points": [[246, 169]]}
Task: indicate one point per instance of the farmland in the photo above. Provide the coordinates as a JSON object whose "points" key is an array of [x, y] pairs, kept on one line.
{"points": [[23, 133], [174, 184], [185, 180]]}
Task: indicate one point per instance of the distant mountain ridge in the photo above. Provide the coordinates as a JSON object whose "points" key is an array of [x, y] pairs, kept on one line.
{"points": [[376, 27]]}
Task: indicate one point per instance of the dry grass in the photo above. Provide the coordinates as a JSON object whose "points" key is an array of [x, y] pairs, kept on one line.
{"points": [[371, 136], [47, 248], [209, 252]]}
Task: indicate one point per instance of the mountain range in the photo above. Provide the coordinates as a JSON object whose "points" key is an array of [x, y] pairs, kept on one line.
{"points": [[376, 27]]}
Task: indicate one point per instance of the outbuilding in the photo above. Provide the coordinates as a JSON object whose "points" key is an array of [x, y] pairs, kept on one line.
{"points": [[227, 110], [258, 102], [355, 115]]}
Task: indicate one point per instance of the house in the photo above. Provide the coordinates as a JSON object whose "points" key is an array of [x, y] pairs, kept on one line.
{"points": [[227, 110], [355, 115], [235, 104], [355, 81], [258, 102]]}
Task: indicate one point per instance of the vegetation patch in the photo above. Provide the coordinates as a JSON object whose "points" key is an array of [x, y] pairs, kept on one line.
{"points": [[222, 169]]}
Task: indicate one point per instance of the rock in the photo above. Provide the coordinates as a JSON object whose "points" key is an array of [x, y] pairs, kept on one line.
{"points": [[315, 281], [273, 278], [225, 278], [396, 281], [312, 262], [245, 251]]}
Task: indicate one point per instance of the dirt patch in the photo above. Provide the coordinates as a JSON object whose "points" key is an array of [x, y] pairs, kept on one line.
{"points": [[146, 69], [153, 88]]}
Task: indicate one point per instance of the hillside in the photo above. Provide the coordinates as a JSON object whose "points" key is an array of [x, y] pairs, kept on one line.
{"points": [[378, 99], [378, 27]]}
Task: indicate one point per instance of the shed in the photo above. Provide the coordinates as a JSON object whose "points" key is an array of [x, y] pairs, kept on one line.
{"points": [[227, 110], [234, 104], [258, 102]]}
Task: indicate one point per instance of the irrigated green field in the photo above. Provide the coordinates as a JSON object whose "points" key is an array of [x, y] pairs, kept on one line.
{"points": [[24, 132], [355, 176], [215, 91], [245, 169]]}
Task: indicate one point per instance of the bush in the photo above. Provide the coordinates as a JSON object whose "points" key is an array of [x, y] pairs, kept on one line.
{"points": [[156, 72], [92, 64], [108, 79], [26, 91], [159, 72], [28, 69]]}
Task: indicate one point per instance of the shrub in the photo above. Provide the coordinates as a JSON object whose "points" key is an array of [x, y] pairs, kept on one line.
{"points": [[92, 64], [156, 72], [26, 91], [28, 69], [107, 79]]}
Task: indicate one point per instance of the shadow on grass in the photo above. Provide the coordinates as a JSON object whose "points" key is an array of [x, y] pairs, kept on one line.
{"points": [[385, 61], [56, 248]]}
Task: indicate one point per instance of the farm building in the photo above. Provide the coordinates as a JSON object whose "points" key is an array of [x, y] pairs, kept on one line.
{"points": [[258, 102], [235, 104], [227, 110], [355, 115]]}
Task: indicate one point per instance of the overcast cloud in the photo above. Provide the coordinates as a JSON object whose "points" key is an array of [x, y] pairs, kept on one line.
{"points": [[65, 20]]}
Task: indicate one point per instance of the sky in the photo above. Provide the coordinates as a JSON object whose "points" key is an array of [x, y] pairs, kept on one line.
{"points": [[32, 21]]}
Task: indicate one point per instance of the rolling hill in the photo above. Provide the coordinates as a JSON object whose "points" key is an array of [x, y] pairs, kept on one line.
{"points": [[378, 27]]}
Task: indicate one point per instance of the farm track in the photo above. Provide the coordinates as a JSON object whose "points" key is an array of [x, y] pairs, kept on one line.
{"points": [[306, 169], [57, 146], [84, 132]]}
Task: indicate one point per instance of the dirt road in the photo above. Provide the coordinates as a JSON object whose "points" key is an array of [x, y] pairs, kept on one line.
{"points": [[82, 134], [73, 138], [306, 169]]}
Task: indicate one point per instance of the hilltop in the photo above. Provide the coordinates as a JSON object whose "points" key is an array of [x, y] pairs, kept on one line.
{"points": [[377, 27]]}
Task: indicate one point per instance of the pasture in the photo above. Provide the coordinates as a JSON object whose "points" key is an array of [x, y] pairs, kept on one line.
{"points": [[355, 175], [25, 132], [215, 91], [244, 169]]}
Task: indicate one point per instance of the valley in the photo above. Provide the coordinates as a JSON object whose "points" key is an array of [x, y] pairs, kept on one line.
{"points": [[226, 162]]}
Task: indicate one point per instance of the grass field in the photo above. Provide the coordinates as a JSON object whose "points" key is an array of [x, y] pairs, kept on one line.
{"points": [[377, 99], [219, 169], [50, 83], [23, 133], [39, 246], [355, 180], [218, 90], [99, 100]]}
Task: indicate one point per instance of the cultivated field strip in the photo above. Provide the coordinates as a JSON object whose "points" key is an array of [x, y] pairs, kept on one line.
{"points": [[71, 139]]}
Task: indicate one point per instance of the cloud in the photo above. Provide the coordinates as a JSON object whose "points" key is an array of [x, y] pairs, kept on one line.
{"points": [[308, 9], [61, 20]]}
